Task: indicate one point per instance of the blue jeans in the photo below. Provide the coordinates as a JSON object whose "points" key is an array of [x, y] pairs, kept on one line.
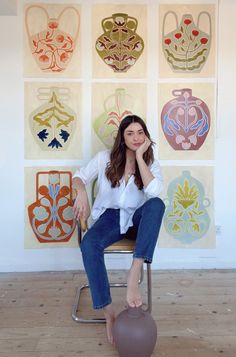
{"points": [[106, 231]]}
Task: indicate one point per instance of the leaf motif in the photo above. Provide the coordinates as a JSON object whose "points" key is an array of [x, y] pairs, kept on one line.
{"points": [[45, 202], [43, 134], [64, 135], [196, 227], [50, 46], [176, 211], [55, 143]]}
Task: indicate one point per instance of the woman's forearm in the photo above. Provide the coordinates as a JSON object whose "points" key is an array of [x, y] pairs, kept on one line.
{"points": [[78, 185], [144, 170]]}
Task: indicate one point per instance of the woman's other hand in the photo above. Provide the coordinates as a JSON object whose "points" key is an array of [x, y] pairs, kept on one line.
{"points": [[81, 208]]}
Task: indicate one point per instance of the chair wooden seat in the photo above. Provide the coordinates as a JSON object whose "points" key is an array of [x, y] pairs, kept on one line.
{"points": [[126, 245]]}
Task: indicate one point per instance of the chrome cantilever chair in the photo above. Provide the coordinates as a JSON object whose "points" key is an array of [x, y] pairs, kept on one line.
{"points": [[125, 246]]}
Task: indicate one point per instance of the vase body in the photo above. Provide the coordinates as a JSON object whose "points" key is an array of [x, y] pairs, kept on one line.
{"points": [[119, 46], [185, 120], [186, 48], [51, 216], [186, 218], [116, 108], [135, 333], [53, 123], [52, 48]]}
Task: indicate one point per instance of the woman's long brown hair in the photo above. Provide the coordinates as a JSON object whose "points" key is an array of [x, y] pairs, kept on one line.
{"points": [[116, 167]]}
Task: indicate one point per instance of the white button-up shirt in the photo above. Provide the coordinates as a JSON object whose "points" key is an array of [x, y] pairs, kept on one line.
{"points": [[126, 197]]}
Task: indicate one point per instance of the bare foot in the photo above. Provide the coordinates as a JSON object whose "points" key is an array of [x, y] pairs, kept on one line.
{"points": [[110, 319], [133, 296]]}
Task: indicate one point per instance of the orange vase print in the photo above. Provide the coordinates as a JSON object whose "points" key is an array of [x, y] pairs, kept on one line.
{"points": [[51, 215], [52, 47]]}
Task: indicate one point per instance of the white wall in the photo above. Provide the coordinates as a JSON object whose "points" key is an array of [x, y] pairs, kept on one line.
{"points": [[13, 256]]}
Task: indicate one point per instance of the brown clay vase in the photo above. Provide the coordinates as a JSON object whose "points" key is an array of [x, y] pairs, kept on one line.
{"points": [[135, 333]]}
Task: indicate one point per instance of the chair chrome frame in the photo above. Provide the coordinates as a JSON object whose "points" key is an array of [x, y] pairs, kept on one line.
{"points": [[124, 246]]}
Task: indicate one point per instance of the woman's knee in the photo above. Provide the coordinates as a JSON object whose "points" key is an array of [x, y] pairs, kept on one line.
{"points": [[87, 245], [156, 204]]}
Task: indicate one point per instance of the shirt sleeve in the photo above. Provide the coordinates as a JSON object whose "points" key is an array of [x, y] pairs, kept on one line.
{"points": [[89, 172], [154, 187]]}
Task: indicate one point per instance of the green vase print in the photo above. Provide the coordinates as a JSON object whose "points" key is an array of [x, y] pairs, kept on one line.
{"points": [[187, 47], [119, 46], [116, 107], [186, 217]]}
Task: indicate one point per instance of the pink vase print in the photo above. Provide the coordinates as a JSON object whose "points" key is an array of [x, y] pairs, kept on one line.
{"points": [[185, 120]]}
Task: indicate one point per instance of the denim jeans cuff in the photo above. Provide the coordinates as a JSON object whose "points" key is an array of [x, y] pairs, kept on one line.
{"points": [[103, 305], [146, 259]]}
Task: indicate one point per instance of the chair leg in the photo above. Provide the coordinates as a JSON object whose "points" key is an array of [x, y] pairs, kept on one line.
{"points": [[149, 288], [75, 306]]}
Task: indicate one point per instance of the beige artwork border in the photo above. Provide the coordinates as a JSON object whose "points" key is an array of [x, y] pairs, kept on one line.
{"points": [[31, 68], [204, 91], [32, 149], [100, 91], [101, 11], [205, 174], [209, 68]]}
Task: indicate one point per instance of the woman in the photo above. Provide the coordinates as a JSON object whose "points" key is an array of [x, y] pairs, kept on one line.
{"points": [[129, 182]]}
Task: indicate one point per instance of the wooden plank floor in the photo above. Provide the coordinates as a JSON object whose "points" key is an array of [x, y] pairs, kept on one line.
{"points": [[195, 312]]}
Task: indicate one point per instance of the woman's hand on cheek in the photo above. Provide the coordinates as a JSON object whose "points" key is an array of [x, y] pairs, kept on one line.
{"points": [[143, 148]]}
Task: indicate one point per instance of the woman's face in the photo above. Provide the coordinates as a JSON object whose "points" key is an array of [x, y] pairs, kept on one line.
{"points": [[134, 136]]}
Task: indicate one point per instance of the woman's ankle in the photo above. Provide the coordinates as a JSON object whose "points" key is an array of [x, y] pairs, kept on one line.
{"points": [[109, 311]]}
